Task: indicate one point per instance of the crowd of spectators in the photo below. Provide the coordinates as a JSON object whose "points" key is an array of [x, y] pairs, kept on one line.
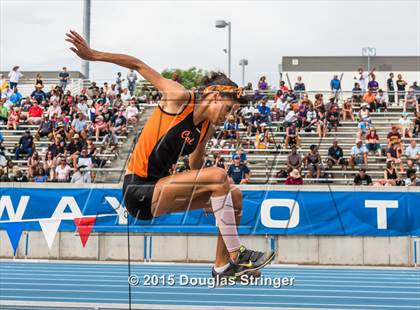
{"points": [[79, 130]]}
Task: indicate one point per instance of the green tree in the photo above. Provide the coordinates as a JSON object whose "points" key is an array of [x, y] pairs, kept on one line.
{"points": [[189, 78]]}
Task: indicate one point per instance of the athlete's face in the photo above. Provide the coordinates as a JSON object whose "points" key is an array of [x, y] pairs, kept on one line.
{"points": [[221, 108]]}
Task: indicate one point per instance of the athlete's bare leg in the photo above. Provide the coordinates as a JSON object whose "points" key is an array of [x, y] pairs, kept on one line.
{"points": [[191, 190]]}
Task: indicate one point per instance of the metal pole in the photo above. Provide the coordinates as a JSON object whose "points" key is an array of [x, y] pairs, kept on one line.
{"points": [[243, 74], [86, 34], [229, 48], [369, 61]]}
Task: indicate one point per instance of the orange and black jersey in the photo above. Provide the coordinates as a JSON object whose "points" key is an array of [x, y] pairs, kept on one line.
{"points": [[164, 138]]}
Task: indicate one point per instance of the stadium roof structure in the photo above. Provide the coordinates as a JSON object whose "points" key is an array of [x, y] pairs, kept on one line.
{"points": [[349, 63]]}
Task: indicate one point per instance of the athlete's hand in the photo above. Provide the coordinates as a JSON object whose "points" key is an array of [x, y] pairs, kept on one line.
{"points": [[81, 48]]}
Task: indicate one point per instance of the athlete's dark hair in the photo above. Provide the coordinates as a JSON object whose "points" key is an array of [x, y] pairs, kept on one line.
{"points": [[219, 78], [216, 78]]}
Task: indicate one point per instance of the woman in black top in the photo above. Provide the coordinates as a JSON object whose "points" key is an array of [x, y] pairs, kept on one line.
{"points": [[391, 176]]}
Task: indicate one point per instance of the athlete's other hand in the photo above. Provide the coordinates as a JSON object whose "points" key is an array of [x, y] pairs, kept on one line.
{"points": [[81, 48]]}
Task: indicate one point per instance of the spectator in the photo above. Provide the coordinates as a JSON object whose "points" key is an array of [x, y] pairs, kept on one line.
{"points": [[26, 145], [110, 142], [3, 83], [253, 124], [412, 178], [41, 176], [118, 83], [391, 176], [231, 129], [20, 177], [220, 161], [313, 162], [363, 78], [239, 173], [62, 171], [299, 87], [363, 127], [63, 77], [369, 98], [81, 176], [416, 90], [78, 126], [333, 118], [336, 156], [283, 86], [38, 79], [359, 155], [16, 96], [311, 119], [301, 116], [38, 94], [3, 160], [348, 110], [132, 78], [54, 109], [262, 84], [362, 178], [207, 161], [294, 160], [394, 154], [132, 113], [413, 153], [57, 147], [46, 127], [10, 171], [364, 112], [4, 112], [75, 146], [14, 76], [264, 111], [416, 122], [242, 156], [294, 178], [291, 117], [49, 165], [99, 127], [35, 113], [380, 101], [33, 164], [14, 118], [391, 88], [372, 141], [401, 87], [262, 137], [373, 84], [119, 123], [394, 137], [83, 107], [7, 93], [83, 159], [405, 125], [410, 99], [335, 85], [357, 93], [292, 136]]}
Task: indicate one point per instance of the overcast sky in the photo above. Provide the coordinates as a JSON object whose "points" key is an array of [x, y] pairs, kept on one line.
{"points": [[182, 34]]}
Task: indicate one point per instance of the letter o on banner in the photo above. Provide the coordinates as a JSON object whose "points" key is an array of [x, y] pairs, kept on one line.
{"points": [[291, 204]]}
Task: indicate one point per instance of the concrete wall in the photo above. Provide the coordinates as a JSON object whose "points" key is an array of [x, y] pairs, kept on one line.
{"points": [[323, 250]]}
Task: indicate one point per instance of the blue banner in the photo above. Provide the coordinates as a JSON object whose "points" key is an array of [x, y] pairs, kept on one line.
{"points": [[264, 212]]}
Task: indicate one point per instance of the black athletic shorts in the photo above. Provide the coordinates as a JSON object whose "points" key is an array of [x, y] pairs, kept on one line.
{"points": [[138, 194]]}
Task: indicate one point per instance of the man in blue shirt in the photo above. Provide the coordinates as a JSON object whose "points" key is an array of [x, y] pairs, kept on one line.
{"points": [[335, 85], [264, 111], [38, 94], [16, 96], [239, 173]]}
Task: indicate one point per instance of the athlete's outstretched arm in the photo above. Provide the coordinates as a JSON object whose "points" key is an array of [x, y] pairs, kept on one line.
{"points": [[82, 49]]}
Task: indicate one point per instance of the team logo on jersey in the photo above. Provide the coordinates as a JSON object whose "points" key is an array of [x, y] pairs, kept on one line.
{"points": [[186, 136]]}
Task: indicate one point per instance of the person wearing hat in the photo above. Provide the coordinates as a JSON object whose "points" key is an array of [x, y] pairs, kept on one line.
{"points": [[14, 76], [362, 178], [410, 99], [242, 155], [38, 94], [359, 154], [238, 172], [294, 178]]}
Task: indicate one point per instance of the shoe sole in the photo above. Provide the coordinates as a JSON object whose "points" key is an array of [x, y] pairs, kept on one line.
{"points": [[267, 261]]}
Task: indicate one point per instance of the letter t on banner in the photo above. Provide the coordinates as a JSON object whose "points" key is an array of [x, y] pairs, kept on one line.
{"points": [[381, 206]]}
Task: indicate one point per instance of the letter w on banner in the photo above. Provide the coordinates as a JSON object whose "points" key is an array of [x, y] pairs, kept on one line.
{"points": [[84, 227]]}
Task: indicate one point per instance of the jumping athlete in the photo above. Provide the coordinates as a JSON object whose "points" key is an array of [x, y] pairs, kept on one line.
{"points": [[181, 125]]}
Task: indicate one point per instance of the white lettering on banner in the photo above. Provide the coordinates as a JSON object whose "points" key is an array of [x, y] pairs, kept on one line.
{"points": [[62, 205], [381, 206], [6, 203], [291, 204], [116, 205]]}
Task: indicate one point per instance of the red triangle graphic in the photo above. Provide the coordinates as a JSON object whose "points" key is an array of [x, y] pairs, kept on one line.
{"points": [[84, 227]]}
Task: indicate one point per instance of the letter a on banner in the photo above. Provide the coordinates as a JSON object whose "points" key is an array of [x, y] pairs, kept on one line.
{"points": [[14, 231], [49, 228], [84, 227]]}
